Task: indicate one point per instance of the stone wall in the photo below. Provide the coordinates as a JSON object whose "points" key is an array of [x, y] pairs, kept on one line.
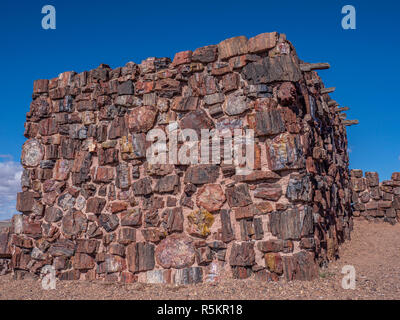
{"points": [[95, 208], [373, 200], [5, 248]]}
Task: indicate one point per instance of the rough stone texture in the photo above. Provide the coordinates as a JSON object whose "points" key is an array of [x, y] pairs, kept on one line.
{"points": [[210, 197], [375, 201], [140, 256], [200, 222], [176, 251], [292, 223], [94, 206]]}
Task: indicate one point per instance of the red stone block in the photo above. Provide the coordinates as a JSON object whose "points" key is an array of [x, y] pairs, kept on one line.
{"points": [[82, 261], [182, 58], [128, 277], [396, 176], [41, 86], [262, 42], [232, 47]]}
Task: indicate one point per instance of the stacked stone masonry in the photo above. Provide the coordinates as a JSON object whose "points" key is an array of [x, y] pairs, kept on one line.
{"points": [[5, 247], [94, 208], [373, 200]]}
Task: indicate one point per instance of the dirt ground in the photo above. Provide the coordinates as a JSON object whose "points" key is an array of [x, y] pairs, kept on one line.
{"points": [[374, 251]]}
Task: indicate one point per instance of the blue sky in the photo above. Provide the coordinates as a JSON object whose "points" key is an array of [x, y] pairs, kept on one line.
{"points": [[365, 64]]}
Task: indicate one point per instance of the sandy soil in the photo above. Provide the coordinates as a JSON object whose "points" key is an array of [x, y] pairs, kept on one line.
{"points": [[374, 252]]}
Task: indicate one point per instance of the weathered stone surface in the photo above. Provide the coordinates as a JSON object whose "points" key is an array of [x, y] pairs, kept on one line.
{"points": [[202, 174], [158, 169], [273, 262], [257, 175], [275, 245], [205, 54], [25, 201], [396, 176], [182, 57], [125, 88], [238, 195], [5, 251], [285, 152], [87, 246], [142, 119], [268, 191], [185, 103], [214, 99], [232, 47], [187, 276], [246, 212], [196, 120], [210, 197], [119, 206], [359, 184], [200, 222], [66, 201], [167, 87], [299, 188], [267, 122], [32, 153], [109, 222], [113, 263], [154, 234], [166, 184], [142, 187], [176, 251], [95, 205], [118, 128], [262, 42], [172, 219], [230, 82], [62, 247], [53, 214], [300, 266], [123, 179], [202, 84], [372, 179], [74, 223], [41, 86], [132, 218], [287, 94], [227, 231], [235, 104], [158, 276], [239, 272], [204, 256], [126, 235], [62, 169], [108, 156], [117, 249], [242, 254], [82, 261], [267, 70], [292, 224]]}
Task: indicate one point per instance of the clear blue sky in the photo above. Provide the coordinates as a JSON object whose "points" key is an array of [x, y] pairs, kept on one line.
{"points": [[365, 64]]}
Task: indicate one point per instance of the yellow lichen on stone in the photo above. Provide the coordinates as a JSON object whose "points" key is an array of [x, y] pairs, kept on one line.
{"points": [[331, 248], [270, 261], [200, 222], [126, 146]]}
